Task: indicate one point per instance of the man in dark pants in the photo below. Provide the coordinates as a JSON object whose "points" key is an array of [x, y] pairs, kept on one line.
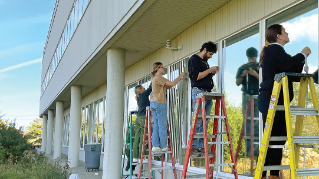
{"points": [[201, 76], [248, 76]]}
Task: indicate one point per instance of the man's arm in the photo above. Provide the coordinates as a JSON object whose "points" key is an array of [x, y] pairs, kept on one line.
{"points": [[212, 70]]}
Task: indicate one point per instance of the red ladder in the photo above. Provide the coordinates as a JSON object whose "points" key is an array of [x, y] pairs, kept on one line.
{"points": [[251, 104], [210, 161], [150, 153]]}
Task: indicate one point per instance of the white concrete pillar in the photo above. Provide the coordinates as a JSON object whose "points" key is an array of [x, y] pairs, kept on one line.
{"points": [[49, 132], [75, 126], [58, 129], [44, 133], [114, 114]]}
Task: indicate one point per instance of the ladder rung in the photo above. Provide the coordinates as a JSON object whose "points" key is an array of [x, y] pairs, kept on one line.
{"points": [[201, 136], [218, 142], [297, 110], [277, 167], [223, 164], [196, 176], [163, 168], [212, 117], [307, 172], [278, 146], [278, 138], [306, 139]]}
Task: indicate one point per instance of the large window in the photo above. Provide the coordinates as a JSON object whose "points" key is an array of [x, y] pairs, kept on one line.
{"points": [[301, 23], [66, 130], [241, 79], [93, 123]]}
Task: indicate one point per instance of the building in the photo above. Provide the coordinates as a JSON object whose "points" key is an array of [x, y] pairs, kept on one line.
{"points": [[97, 51]]}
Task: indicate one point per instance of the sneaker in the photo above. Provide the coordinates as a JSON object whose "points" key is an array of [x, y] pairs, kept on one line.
{"points": [[145, 160], [135, 160], [156, 149], [165, 149], [202, 150], [195, 152]]}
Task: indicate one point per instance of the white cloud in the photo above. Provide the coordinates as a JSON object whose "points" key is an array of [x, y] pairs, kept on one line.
{"points": [[21, 65], [312, 69], [303, 27], [20, 49]]}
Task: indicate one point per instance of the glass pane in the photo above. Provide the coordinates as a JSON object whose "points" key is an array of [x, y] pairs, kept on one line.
{"points": [[82, 128], [241, 79], [301, 24]]}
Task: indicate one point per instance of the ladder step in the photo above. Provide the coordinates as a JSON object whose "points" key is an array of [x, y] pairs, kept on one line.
{"points": [[307, 172], [163, 168], [196, 176], [201, 136], [223, 164], [277, 167], [297, 110], [212, 117], [278, 146], [160, 153], [218, 142], [306, 139], [203, 156], [278, 138], [209, 96]]}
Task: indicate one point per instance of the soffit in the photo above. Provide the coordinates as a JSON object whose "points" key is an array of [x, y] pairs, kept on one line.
{"points": [[165, 19]]}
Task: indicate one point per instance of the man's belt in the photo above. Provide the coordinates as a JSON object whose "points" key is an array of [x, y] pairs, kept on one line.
{"points": [[201, 89]]}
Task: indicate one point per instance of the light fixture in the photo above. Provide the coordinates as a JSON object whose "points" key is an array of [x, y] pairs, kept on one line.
{"points": [[168, 46]]}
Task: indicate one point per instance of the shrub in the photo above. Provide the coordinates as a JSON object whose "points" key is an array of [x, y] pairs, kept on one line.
{"points": [[12, 142]]}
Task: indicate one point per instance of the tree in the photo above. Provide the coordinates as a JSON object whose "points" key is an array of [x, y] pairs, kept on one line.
{"points": [[12, 142], [34, 132]]}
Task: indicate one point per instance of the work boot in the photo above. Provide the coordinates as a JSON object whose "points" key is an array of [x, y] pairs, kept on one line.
{"points": [[273, 177]]}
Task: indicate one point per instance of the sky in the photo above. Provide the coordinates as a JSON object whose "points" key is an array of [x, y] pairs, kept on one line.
{"points": [[24, 27]]}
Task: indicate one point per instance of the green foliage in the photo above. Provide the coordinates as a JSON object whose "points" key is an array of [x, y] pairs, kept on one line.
{"points": [[34, 132], [32, 165], [12, 142]]}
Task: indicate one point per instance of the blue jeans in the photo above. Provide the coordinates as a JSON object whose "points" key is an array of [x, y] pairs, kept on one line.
{"points": [[159, 135], [199, 142]]}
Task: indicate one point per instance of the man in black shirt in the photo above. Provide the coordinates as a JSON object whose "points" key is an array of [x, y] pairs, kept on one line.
{"points": [[315, 76], [248, 76], [201, 79]]}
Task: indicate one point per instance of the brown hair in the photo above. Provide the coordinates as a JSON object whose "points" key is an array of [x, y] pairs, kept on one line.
{"points": [[137, 91], [271, 37], [155, 67]]}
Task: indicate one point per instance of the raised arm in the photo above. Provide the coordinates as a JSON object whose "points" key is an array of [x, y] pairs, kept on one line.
{"points": [[170, 84]]}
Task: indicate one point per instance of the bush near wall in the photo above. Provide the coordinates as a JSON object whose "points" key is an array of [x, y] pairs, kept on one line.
{"points": [[33, 166]]}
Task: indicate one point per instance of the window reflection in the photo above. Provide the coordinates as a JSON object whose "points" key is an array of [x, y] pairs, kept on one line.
{"points": [[241, 79]]}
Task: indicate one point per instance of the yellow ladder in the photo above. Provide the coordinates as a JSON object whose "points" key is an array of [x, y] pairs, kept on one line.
{"points": [[295, 141]]}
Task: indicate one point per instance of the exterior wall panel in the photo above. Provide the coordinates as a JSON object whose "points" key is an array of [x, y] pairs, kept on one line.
{"points": [[232, 17], [62, 13], [100, 18]]}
